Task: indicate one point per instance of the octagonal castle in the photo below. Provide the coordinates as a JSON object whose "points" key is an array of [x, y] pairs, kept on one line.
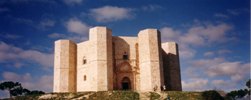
{"points": [[107, 62]]}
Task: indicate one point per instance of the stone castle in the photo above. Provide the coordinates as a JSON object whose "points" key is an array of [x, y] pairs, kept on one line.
{"points": [[107, 62]]}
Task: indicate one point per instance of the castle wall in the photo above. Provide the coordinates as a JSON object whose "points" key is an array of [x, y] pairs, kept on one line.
{"points": [[99, 64], [86, 74], [65, 66], [150, 60], [171, 68], [101, 38], [125, 45]]}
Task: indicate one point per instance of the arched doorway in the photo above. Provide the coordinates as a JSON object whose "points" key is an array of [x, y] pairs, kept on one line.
{"points": [[126, 83]]}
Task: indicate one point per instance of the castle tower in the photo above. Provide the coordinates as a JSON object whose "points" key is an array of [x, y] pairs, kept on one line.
{"points": [[102, 61], [150, 60], [171, 66], [65, 66]]}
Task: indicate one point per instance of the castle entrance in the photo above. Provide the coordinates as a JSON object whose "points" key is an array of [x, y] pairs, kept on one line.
{"points": [[126, 84]]}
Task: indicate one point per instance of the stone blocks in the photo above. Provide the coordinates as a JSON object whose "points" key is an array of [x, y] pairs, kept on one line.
{"points": [[65, 66], [150, 60]]}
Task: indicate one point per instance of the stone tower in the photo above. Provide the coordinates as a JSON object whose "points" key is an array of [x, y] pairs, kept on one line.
{"points": [[101, 37], [65, 66], [171, 66], [94, 65], [150, 60]]}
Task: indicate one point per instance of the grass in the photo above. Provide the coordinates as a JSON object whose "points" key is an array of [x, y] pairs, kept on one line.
{"points": [[118, 95]]}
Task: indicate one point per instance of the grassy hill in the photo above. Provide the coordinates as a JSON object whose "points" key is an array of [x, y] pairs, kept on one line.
{"points": [[117, 95]]}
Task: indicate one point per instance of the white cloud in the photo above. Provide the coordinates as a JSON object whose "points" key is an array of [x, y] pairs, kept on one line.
{"points": [[79, 31], [217, 52], [196, 84], [9, 53], [56, 35], [222, 74], [192, 39], [238, 11], [219, 82], [110, 13], [73, 2], [200, 35], [18, 64], [220, 15], [186, 52], [169, 34], [224, 51], [37, 56], [46, 23], [235, 70], [219, 67], [207, 62], [226, 85], [197, 35], [209, 53], [4, 94], [74, 37], [15, 77], [76, 26]]}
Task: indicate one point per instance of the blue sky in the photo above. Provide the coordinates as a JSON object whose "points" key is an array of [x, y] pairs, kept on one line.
{"points": [[213, 36]]}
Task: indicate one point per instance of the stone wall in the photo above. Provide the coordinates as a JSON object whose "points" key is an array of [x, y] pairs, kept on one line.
{"points": [[65, 66], [171, 68], [125, 67], [99, 64], [150, 60], [86, 73], [101, 37]]}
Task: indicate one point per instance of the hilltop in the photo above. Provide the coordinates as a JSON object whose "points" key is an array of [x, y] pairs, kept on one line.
{"points": [[118, 95]]}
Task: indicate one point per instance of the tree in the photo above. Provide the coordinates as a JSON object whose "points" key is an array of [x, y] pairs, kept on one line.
{"points": [[26, 91], [10, 86], [36, 92], [16, 89], [20, 91], [237, 93], [248, 83]]}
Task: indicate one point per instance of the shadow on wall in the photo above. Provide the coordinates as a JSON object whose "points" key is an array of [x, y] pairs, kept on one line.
{"points": [[121, 56], [171, 71]]}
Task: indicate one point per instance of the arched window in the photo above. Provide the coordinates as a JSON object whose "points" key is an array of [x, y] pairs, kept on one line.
{"points": [[125, 56], [84, 77], [125, 83], [84, 60]]}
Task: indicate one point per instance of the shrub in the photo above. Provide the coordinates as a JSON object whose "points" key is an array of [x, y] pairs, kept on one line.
{"points": [[211, 95]]}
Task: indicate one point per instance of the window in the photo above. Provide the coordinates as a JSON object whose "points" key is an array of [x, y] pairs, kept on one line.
{"points": [[125, 56], [84, 77], [84, 60]]}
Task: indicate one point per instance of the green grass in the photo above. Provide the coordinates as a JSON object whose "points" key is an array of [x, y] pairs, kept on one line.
{"points": [[120, 95]]}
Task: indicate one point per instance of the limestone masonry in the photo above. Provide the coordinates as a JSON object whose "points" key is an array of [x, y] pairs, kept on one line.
{"points": [[107, 62]]}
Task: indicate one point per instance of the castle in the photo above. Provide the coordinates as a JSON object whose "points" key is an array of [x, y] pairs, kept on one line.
{"points": [[107, 62]]}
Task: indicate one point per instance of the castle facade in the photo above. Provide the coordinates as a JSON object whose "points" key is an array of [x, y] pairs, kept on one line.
{"points": [[107, 62]]}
